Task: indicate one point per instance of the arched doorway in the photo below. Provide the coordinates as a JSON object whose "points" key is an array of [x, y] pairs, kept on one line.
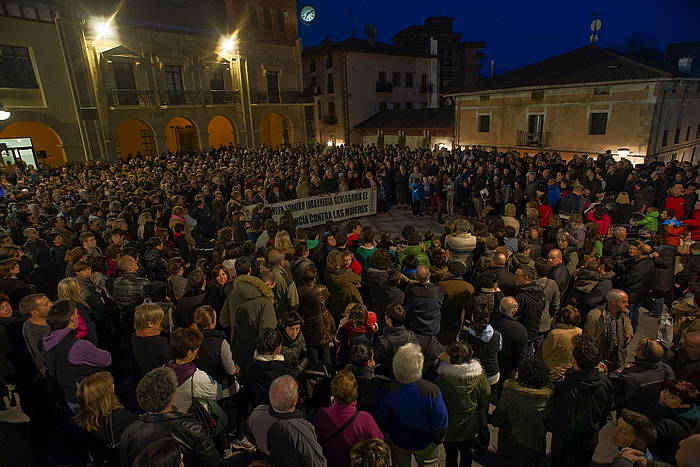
{"points": [[181, 135], [274, 130], [33, 142], [221, 132], [134, 136]]}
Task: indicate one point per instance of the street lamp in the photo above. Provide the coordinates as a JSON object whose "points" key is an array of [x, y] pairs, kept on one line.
{"points": [[228, 45], [103, 27], [4, 113], [623, 152]]}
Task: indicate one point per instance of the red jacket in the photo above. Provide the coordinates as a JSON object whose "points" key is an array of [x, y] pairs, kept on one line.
{"points": [[677, 205], [603, 223], [545, 212], [694, 224], [672, 234]]}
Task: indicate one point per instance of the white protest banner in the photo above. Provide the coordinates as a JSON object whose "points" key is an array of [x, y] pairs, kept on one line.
{"points": [[336, 207]]}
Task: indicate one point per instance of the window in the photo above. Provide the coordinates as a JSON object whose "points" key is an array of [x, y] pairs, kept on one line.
{"points": [[599, 123], [677, 136], [397, 105], [280, 21], [601, 91], [329, 61], [312, 65], [537, 95], [409, 80], [330, 85], [409, 105], [173, 84], [685, 64], [254, 18], [396, 79], [273, 87], [381, 77], [267, 17], [687, 134], [123, 76], [697, 132], [16, 69], [484, 97], [216, 80], [320, 111], [312, 83], [382, 106], [331, 109], [484, 123], [664, 138]]}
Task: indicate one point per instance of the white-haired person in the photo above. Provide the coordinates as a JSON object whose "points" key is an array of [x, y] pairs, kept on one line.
{"points": [[411, 410]]}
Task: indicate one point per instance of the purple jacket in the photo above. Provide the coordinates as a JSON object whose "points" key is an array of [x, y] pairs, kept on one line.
{"points": [[327, 420], [83, 351]]}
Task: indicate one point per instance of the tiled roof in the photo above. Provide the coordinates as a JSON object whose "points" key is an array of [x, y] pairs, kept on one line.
{"points": [[361, 45], [411, 118], [588, 64]]}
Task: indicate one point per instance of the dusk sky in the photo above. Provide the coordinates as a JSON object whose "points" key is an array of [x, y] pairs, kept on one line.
{"points": [[516, 32]]}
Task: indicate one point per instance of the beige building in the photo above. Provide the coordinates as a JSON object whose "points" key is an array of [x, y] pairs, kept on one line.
{"points": [[586, 101], [161, 75], [352, 80]]}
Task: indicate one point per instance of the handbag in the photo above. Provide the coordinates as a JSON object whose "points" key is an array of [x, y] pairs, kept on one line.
{"points": [[342, 428]]}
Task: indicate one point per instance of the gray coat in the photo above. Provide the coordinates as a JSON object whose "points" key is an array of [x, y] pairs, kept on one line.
{"points": [[552, 302]]}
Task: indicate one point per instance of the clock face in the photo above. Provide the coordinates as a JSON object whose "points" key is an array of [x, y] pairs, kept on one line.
{"points": [[308, 13]]}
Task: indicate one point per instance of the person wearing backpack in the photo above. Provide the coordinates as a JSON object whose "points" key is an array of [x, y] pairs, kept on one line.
{"points": [[393, 337]]}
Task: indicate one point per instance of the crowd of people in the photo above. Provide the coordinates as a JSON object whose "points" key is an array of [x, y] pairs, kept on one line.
{"points": [[153, 312]]}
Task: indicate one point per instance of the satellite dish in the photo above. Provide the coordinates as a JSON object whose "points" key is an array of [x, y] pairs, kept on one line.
{"points": [[596, 24], [593, 38], [370, 30]]}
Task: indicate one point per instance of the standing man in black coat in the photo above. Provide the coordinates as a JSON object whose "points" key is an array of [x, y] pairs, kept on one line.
{"points": [[664, 258], [582, 403], [531, 303], [637, 278], [514, 343], [559, 273]]}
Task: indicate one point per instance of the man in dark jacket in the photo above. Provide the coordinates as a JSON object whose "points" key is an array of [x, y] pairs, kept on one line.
{"points": [[662, 286], [155, 396], [559, 273], [505, 278], [637, 278], [686, 360], [128, 291], [582, 403], [423, 304], [280, 431], [362, 365], [639, 385], [531, 304], [458, 292], [617, 247], [514, 342], [191, 300], [394, 335]]}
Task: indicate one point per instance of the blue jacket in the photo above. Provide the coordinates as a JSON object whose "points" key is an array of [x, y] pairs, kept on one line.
{"points": [[417, 191], [553, 195], [413, 414]]}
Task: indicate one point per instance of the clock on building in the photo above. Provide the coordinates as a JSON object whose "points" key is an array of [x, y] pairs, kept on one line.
{"points": [[307, 14]]}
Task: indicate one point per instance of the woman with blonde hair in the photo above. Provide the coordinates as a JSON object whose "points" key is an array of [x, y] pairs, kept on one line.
{"points": [[102, 416], [509, 217], [70, 289], [150, 348], [283, 243], [622, 209]]}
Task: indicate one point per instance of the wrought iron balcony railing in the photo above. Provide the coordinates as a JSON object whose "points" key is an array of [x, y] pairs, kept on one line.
{"points": [[536, 140]]}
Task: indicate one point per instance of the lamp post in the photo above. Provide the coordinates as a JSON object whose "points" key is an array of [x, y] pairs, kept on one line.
{"points": [[623, 152]]}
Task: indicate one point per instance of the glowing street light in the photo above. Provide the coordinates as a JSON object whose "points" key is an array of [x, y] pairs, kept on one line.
{"points": [[623, 152], [228, 45], [4, 114], [103, 28]]}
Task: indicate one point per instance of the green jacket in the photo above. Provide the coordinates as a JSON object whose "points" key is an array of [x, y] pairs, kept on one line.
{"points": [[418, 252], [465, 391], [650, 221], [520, 416], [363, 254], [518, 260], [342, 286]]}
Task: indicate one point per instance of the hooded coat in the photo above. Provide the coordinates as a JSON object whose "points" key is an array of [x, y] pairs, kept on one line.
{"points": [[520, 415], [248, 311], [519, 260], [319, 327], [418, 252], [342, 284], [465, 391]]}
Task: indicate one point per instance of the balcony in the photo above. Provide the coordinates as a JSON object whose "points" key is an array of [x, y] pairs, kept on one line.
{"points": [[534, 140], [131, 97], [168, 98], [330, 120], [222, 97], [425, 88], [384, 86], [284, 97]]}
